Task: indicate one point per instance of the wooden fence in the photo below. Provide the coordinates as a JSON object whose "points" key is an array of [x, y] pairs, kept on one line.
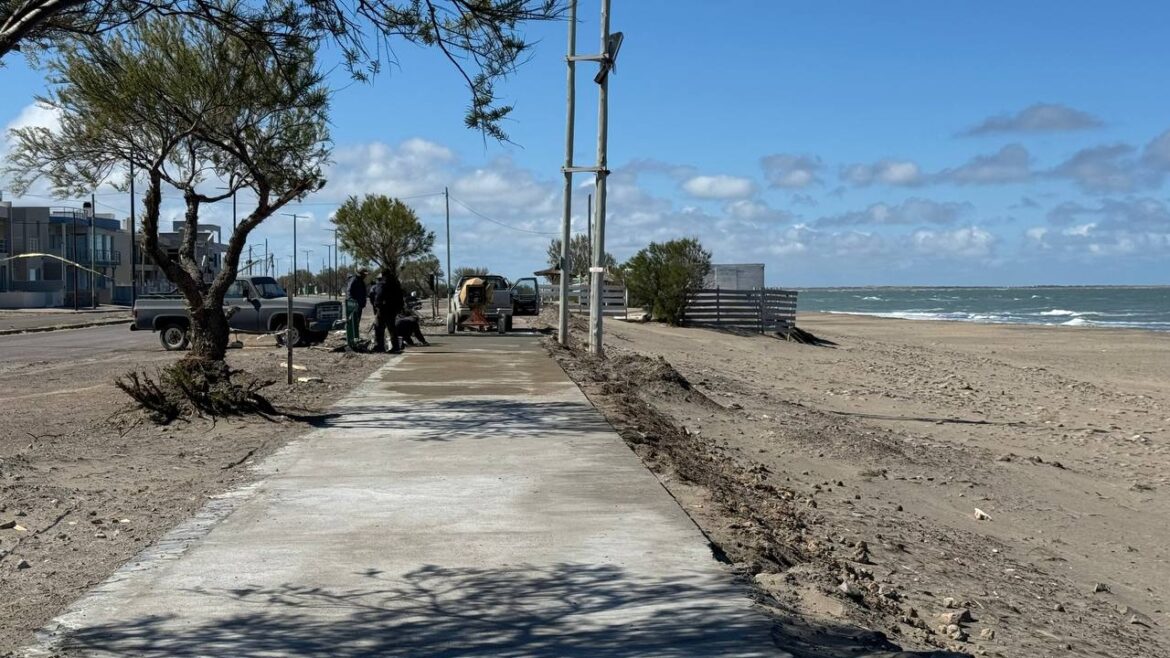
{"points": [[613, 298], [763, 310]]}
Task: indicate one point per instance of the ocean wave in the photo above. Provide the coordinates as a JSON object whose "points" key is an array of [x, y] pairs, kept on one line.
{"points": [[1058, 311], [872, 299], [1006, 318]]}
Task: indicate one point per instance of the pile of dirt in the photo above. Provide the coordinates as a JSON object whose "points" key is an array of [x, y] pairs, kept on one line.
{"points": [[86, 482]]}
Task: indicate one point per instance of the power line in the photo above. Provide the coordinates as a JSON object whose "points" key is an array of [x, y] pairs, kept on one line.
{"points": [[496, 221]]}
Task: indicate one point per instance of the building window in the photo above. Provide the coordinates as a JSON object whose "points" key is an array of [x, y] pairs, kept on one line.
{"points": [[34, 244]]}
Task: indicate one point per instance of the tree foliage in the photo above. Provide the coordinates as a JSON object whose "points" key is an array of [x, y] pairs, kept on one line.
{"points": [[415, 274], [190, 108], [580, 256], [660, 276], [469, 270], [480, 38], [381, 230]]}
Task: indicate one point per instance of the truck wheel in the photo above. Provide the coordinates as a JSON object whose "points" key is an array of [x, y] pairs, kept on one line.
{"points": [[173, 336], [451, 323], [298, 336]]}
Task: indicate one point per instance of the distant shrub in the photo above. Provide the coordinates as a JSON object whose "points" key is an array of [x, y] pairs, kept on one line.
{"points": [[660, 276]]}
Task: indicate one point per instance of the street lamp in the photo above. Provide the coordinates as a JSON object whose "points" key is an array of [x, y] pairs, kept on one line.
{"points": [[87, 210]]}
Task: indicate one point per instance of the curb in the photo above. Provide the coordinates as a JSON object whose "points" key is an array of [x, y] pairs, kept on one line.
{"points": [[60, 327]]}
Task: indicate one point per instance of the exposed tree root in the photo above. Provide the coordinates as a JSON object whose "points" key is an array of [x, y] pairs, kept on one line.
{"points": [[196, 387]]}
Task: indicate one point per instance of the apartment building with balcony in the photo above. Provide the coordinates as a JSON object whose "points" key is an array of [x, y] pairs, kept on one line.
{"points": [[45, 240]]}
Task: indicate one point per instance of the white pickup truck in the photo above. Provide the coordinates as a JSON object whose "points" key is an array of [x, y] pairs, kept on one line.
{"points": [[507, 299]]}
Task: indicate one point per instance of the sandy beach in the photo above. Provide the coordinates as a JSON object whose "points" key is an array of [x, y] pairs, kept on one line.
{"points": [[886, 445]]}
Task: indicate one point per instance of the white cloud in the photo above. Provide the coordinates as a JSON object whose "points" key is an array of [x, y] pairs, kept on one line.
{"points": [[1138, 228], [1103, 169], [1010, 164], [1156, 154], [719, 187], [886, 172], [755, 211], [1038, 118], [791, 171], [969, 242], [911, 211]]}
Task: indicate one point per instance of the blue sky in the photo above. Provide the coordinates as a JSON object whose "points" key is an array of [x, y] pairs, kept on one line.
{"points": [[853, 143]]}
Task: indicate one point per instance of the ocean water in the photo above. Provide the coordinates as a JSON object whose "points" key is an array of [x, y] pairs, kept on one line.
{"points": [[1107, 306]]}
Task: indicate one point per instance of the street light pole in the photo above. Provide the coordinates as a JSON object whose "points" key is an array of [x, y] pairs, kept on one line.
{"points": [[288, 318], [92, 252], [76, 273], [566, 217], [447, 204], [597, 271], [133, 244]]}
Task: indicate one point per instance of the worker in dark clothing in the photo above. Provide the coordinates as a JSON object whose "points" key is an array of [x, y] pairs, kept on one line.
{"points": [[407, 327], [386, 298], [355, 289]]}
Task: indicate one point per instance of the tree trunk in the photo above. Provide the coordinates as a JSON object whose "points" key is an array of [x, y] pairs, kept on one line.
{"points": [[209, 333]]}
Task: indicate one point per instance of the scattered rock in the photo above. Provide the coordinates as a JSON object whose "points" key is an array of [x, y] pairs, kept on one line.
{"points": [[1058, 607], [987, 634], [957, 617], [980, 515], [23, 564], [949, 602], [1100, 587], [849, 589], [5, 525]]}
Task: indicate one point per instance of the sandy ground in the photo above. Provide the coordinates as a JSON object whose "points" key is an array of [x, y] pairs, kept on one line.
{"points": [[85, 486], [845, 481]]}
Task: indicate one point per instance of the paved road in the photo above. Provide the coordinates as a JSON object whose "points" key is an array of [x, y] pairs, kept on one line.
{"points": [[68, 344], [467, 500]]}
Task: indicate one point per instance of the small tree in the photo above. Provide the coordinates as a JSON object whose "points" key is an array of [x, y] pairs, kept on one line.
{"points": [[382, 231], [660, 276], [580, 256]]}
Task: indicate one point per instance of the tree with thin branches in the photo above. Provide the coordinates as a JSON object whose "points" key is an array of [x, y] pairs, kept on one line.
{"points": [[481, 38], [189, 109]]}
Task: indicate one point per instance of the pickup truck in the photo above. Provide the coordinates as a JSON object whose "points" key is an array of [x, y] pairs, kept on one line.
{"points": [[255, 304], [508, 299]]}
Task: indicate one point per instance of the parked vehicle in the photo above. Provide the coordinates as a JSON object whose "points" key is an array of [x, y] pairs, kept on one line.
{"points": [[255, 305], [501, 306]]}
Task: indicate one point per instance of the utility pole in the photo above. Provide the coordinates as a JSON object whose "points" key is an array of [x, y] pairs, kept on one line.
{"points": [[447, 203], [607, 59], [267, 258], [133, 244], [288, 318], [76, 278], [92, 250], [589, 221], [609, 48], [570, 117]]}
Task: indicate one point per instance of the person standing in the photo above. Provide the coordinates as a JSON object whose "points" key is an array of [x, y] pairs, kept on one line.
{"points": [[386, 298], [355, 289]]}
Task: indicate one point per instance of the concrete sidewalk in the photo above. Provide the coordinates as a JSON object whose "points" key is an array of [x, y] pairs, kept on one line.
{"points": [[52, 319], [467, 500]]}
